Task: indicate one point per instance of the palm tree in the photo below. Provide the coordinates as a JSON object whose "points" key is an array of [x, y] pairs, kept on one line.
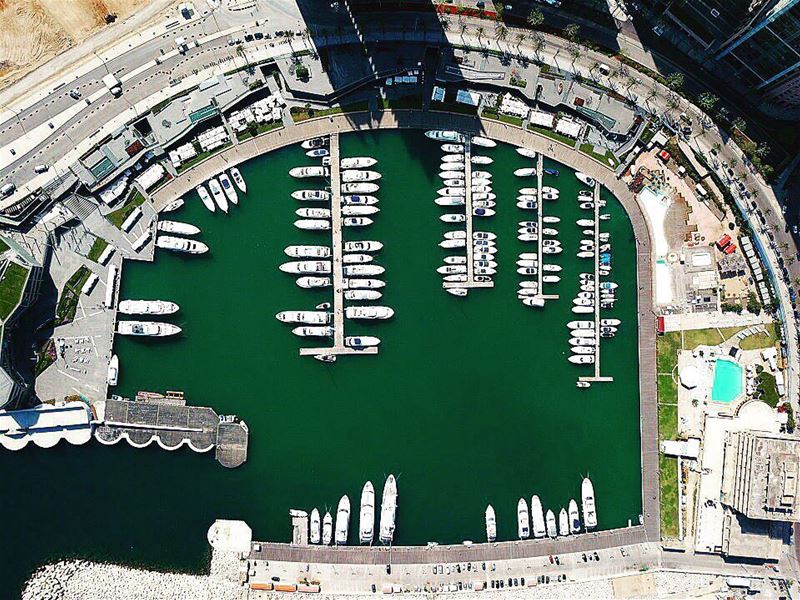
{"points": [[500, 31], [480, 33], [572, 32], [535, 18], [739, 123], [520, 38], [707, 100], [462, 26], [538, 42]]}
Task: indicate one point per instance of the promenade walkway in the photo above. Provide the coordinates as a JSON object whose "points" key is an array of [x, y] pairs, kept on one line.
{"points": [[512, 135]]}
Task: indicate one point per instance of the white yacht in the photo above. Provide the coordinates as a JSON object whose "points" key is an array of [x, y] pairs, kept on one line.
{"points": [[147, 328], [362, 295], [450, 201], [356, 200], [454, 182], [552, 531], [205, 198], [239, 181], [313, 224], [590, 349], [580, 325], [484, 196], [309, 317], [361, 341], [525, 172], [313, 213], [455, 167], [455, 235], [581, 359], [174, 205], [484, 203], [527, 204], [587, 501], [178, 227], [366, 520], [526, 152], [388, 510], [610, 322], [481, 160], [551, 268], [327, 529], [457, 291], [320, 195], [453, 218], [362, 270], [313, 282], [359, 211], [357, 162], [112, 374], [368, 312], [218, 195], [455, 260], [305, 267], [228, 188], [362, 246], [450, 148], [459, 158], [584, 178], [479, 211], [574, 517], [440, 135], [528, 191], [452, 269], [455, 278], [484, 142], [534, 302], [355, 175], [168, 242], [314, 536], [307, 251], [537, 518], [313, 331], [319, 142], [551, 219], [452, 191], [523, 526], [360, 188], [363, 284], [491, 524], [342, 520], [450, 244], [304, 172], [147, 307], [357, 259], [318, 153]]}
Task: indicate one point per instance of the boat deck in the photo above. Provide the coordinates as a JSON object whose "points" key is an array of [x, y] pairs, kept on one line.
{"points": [[338, 347]]}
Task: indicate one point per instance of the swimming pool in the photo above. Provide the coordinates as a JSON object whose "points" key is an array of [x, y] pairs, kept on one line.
{"points": [[727, 381]]}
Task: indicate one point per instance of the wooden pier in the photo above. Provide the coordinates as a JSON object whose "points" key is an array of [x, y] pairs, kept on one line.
{"points": [[470, 282], [337, 274], [540, 228], [597, 376]]}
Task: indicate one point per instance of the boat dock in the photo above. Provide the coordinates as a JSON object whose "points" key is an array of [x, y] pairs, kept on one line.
{"points": [[300, 529], [597, 376], [540, 228], [338, 346], [169, 422], [470, 282]]}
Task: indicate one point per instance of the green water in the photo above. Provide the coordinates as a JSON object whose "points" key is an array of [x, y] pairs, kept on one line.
{"points": [[470, 401]]}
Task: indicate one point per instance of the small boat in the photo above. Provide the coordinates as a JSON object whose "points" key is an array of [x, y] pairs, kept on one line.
{"points": [[327, 529], [440, 135], [313, 331], [610, 322], [491, 524], [525, 172], [527, 292], [585, 254], [586, 205], [452, 269], [527, 205], [582, 385], [362, 246], [484, 203], [580, 325], [450, 201], [454, 182], [313, 213], [363, 284], [451, 167], [523, 527], [205, 198], [357, 211], [238, 180], [550, 231], [551, 278], [537, 518], [362, 295], [587, 501], [585, 223], [452, 191], [563, 519], [342, 521], [307, 251], [112, 373], [453, 218], [582, 341], [481, 160], [551, 268], [483, 142], [356, 221], [481, 189], [552, 532], [361, 341], [551, 250], [583, 350], [581, 359], [485, 271], [305, 172], [451, 148], [553, 172], [366, 518], [574, 517], [450, 244], [147, 307], [482, 278], [483, 212], [527, 198], [357, 259], [357, 162], [174, 205], [532, 285], [527, 237], [481, 175], [549, 196], [308, 317], [457, 291], [459, 158], [356, 200], [484, 196], [528, 191], [583, 333], [455, 278], [551, 219], [362, 270], [228, 188], [327, 358], [320, 195], [360, 188], [304, 267], [181, 244], [584, 178], [319, 142], [354, 175], [219, 196], [526, 262], [313, 282], [534, 302], [455, 260], [486, 264], [526, 152], [147, 328], [314, 535], [368, 312], [388, 510], [178, 227]]}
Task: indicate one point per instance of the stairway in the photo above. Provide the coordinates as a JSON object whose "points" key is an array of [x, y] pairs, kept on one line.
{"points": [[80, 206]]}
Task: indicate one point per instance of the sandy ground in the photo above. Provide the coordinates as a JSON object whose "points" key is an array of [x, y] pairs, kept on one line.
{"points": [[34, 31]]}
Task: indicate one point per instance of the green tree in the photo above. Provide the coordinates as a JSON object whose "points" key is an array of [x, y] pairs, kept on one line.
{"points": [[572, 32], [739, 123], [707, 100], [762, 150], [500, 31], [535, 17], [675, 80]]}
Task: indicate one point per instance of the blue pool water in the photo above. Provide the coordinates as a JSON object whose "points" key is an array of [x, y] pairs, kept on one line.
{"points": [[727, 381]]}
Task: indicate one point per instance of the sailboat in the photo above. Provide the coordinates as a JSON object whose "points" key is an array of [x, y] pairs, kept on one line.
{"points": [[342, 520], [388, 510], [366, 525]]}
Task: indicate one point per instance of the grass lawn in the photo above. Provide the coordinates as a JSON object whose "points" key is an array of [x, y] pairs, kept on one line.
{"points": [[3, 246], [302, 114], [754, 342], [667, 347], [12, 284], [68, 303], [493, 114], [553, 135], [701, 337], [768, 389], [263, 128], [117, 218], [667, 389], [603, 158], [668, 421], [668, 473], [46, 356], [97, 249]]}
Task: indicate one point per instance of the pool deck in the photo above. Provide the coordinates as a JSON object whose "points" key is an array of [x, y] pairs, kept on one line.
{"points": [[412, 119]]}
